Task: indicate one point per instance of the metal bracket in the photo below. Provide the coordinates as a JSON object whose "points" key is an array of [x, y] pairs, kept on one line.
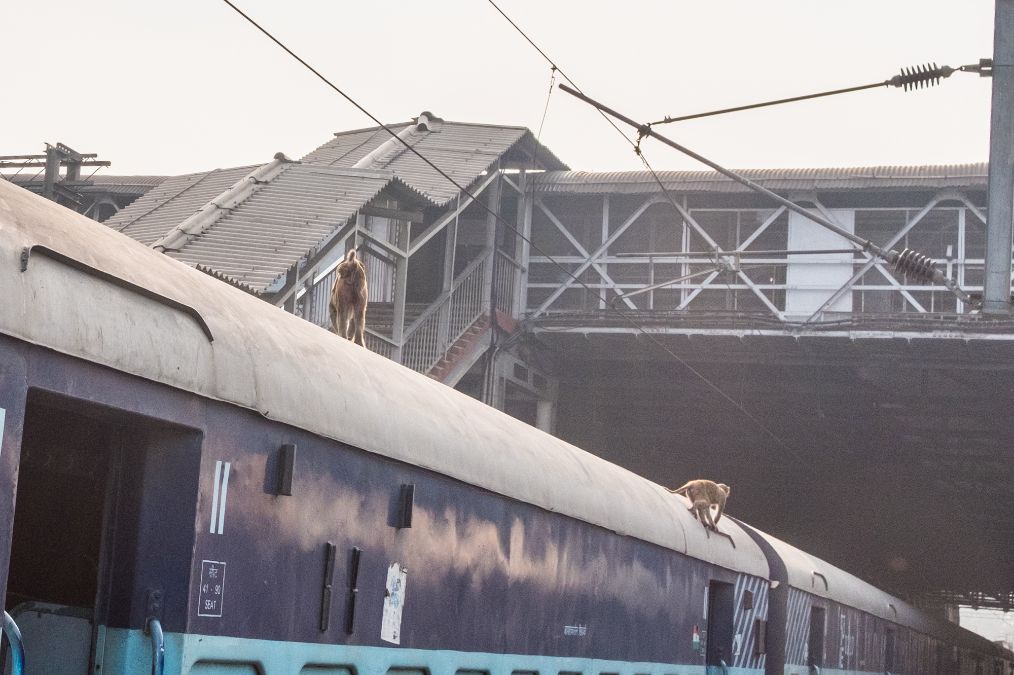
{"points": [[153, 608]]}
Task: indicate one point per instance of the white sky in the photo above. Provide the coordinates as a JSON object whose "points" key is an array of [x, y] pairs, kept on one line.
{"points": [[188, 85]]}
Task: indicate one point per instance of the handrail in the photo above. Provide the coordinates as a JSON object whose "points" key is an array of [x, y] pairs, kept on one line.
{"points": [[444, 298], [383, 338], [518, 266], [13, 634], [157, 647]]}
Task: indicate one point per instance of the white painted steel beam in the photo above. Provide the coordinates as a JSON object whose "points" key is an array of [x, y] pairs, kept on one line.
{"points": [[590, 260]]}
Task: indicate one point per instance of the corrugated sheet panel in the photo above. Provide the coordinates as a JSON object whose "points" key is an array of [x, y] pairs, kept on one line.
{"points": [[463, 151], [347, 148], [171, 202], [850, 178], [258, 240], [121, 185]]}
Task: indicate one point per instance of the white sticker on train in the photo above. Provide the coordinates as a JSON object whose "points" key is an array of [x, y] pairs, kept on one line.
{"points": [[394, 601]]}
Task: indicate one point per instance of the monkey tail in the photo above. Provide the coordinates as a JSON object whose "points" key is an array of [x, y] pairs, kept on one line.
{"points": [[682, 490]]}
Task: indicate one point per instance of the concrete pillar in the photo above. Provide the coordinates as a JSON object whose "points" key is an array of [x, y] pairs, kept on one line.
{"points": [[545, 415]]}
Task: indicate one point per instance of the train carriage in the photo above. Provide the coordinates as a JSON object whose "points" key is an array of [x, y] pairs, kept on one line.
{"points": [[195, 481], [191, 469], [824, 620]]}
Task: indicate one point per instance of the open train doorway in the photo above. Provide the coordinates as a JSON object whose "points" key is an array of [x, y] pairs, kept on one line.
{"points": [[721, 599], [84, 487]]}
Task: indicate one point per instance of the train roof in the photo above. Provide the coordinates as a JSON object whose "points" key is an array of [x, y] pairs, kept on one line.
{"points": [[818, 577], [80, 288]]}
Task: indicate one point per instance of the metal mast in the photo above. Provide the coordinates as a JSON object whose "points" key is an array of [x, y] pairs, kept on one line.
{"points": [[996, 290]]}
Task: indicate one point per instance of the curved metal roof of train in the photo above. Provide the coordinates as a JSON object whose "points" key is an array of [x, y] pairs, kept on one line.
{"points": [[813, 575], [289, 370]]}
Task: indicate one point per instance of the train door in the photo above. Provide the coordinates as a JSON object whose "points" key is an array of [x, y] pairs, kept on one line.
{"points": [[889, 649], [84, 479], [721, 599], [60, 512], [815, 641]]}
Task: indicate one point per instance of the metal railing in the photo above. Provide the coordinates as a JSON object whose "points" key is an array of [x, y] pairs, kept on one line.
{"points": [[317, 299], [505, 274], [426, 340], [432, 334]]}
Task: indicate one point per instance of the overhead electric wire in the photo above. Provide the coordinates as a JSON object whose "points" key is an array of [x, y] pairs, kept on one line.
{"points": [[634, 144], [917, 77], [499, 218], [665, 192]]}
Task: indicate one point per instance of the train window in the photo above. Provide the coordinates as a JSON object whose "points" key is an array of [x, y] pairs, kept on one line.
{"points": [[469, 671], [408, 671], [760, 637], [223, 668], [320, 669], [571, 672], [524, 672]]}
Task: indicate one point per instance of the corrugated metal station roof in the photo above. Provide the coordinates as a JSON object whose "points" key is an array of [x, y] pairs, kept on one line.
{"points": [[850, 178], [464, 151], [265, 227], [123, 185], [269, 231], [171, 202]]}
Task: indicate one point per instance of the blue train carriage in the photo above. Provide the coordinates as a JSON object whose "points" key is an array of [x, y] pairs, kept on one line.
{"points": [[189, 469], [824, 620]]}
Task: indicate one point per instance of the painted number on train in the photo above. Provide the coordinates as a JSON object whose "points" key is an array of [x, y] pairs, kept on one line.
{"points": [[209, 601]]}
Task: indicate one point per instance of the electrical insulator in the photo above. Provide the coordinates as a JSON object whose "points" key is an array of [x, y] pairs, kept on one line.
{"points": [[915, 265], [917, 77]]}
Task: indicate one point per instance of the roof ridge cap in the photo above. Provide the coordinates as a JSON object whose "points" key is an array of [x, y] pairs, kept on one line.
{"points": [[206, 216]]}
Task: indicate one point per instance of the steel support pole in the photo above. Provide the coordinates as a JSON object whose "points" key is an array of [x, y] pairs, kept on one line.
{"points": [[996, 289]]}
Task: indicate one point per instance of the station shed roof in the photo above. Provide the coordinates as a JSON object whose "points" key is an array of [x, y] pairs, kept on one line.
{"points": [[818, 179]]}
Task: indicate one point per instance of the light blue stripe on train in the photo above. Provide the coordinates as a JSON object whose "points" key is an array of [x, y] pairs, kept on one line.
{"points": [[129, 651]]}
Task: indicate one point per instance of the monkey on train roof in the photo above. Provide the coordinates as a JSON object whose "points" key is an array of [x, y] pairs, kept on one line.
{"points": [[703, 494]]}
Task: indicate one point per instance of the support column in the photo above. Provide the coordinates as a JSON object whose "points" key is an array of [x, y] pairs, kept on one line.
{"points": [[493, 202], [52, 174], [400, 291], [605, 239], [996, 290], [525, 202], [545, 414]]}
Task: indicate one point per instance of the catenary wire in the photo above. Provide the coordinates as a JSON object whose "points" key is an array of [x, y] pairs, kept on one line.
{"points": [[502, 220], [668, 197], [633, 144]]}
